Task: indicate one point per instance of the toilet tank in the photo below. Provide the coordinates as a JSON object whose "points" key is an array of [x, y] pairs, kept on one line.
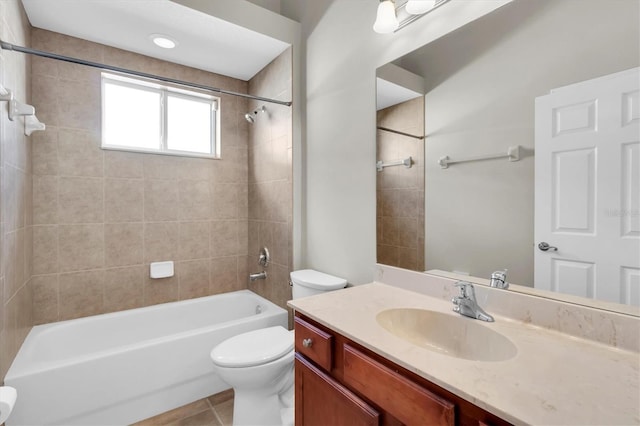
{"points": [[308, 282]]}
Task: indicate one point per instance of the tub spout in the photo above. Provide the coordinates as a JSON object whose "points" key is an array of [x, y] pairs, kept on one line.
{"points": [[258, 276]]}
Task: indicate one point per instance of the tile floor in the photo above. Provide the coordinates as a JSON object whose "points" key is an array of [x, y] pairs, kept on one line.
{"points": [[216, 410]]}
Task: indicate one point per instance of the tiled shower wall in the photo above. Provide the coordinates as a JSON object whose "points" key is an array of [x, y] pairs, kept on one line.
{"points": [[100, 217], [400, 191], [270, 180], [15, 191]]}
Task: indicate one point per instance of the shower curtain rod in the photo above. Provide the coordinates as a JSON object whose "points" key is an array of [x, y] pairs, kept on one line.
{"points": [[400, 133], [8, 46]]}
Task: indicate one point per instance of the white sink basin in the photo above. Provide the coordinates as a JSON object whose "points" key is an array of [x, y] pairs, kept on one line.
{"points": [[449, 334]]}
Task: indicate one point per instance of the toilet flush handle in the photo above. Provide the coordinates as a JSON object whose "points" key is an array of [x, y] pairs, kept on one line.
{"points": [[307, 343]]}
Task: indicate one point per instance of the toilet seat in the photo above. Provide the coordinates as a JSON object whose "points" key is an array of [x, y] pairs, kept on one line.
{"points": [[253, 348]]}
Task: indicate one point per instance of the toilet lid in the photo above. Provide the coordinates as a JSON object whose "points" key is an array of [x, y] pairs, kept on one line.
{"points": [[253, 348], [318, 280]]}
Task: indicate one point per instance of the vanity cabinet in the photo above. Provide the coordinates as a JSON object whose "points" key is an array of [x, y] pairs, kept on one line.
{"points": [[339, 382]]}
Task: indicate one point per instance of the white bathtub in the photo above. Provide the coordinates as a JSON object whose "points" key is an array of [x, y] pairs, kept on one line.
{"points": [[126, 366]]}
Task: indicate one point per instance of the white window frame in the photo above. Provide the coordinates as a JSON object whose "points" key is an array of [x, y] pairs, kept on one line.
{"points": [[165, 92]]}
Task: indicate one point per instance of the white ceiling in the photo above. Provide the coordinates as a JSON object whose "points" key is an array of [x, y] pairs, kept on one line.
{"points": [[389, 93], [204, 42]]}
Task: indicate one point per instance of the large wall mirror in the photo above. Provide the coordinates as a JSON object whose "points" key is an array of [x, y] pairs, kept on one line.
{"points": [[479, 94]]}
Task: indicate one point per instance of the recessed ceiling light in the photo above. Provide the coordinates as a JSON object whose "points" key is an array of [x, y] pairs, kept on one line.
{"points": [[163, 41]]}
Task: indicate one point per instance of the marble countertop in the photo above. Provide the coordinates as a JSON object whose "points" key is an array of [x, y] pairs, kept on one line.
{"points": [[553, 379]]}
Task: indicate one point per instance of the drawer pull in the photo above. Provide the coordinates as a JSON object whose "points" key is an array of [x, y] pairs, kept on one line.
{"points": [[314, 343]]}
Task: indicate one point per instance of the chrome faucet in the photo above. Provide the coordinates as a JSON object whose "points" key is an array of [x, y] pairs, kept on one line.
{"points": [[499, 279], [466, 303]]}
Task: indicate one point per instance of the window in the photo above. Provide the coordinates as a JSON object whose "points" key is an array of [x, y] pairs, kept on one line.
{"points": [[138, 115]]}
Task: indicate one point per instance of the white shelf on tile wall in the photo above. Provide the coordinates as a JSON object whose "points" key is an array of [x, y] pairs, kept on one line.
{"points": [[16, 108]]}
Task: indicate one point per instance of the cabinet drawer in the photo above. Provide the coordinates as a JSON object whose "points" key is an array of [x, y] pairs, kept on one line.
{"points": [[314, 343], [407, 401]]}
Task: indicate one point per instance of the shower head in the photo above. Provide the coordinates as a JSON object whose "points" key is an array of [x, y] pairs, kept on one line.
{"points": [[250, 116]]}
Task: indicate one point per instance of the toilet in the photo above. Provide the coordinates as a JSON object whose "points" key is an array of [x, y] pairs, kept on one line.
{"points": [[258, 365]]}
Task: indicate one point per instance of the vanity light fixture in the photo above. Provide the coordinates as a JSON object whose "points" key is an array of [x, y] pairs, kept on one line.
{"points": [[163, 41], [396, 14], [418, 7], [386, 19]]}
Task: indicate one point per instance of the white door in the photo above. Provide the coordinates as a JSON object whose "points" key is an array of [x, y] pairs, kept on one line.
{"points": [[587, 189]]}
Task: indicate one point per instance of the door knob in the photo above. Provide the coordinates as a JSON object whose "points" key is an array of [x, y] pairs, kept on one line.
{"points": [[545, 247]]}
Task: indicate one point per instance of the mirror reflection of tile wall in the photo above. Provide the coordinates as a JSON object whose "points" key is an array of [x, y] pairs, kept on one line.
{"points": [[400, 190]]}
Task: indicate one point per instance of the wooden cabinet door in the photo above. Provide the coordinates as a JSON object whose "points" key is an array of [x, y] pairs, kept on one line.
{"points": [[320, 400], [404, 399]]}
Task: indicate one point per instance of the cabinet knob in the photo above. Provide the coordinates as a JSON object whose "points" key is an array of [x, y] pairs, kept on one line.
{"points": [[307, 343]]}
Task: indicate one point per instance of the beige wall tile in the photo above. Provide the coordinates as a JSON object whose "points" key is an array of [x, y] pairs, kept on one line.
{"points": [[44, 66], [10, 194], [45, 249], [281, 200], [120, 164], [79, 153], [123, 288], [160, 200], [225, 201], [44, 97], [280, 158], [194, 168], [161, 241], [9, 264], [123, 244], [80, 200], [194, 200], [81, 294], [123, 200], [160, 166], [79, 104], [224, 238], [45, 298], [45, 200], [233, 167], [243, 201], [45, 151], [243, 238], [224, 275], [194, 240], [28, 252], [80, 247], [194, 278], [24, 317], [387, 255], [161, 290], [407, 258]]}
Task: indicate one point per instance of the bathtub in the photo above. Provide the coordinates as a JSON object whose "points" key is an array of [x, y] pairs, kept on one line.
{"points": [[126, 366]]}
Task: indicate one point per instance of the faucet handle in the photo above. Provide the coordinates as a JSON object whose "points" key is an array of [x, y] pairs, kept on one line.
{"points": [[463, 286], [500, 274], [499, 279]]}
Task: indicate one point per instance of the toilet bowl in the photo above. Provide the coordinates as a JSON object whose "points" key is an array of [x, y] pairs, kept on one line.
{"points": [[259, 364]]}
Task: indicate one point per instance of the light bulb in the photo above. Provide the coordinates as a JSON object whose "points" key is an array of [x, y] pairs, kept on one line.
{"points": [[386, 20], [418, 7]]}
